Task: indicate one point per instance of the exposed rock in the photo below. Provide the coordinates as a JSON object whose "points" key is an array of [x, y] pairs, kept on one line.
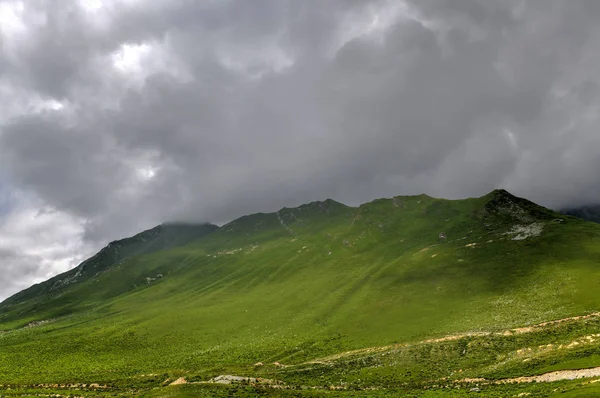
{"points": [[522, 232], [178, 382]]}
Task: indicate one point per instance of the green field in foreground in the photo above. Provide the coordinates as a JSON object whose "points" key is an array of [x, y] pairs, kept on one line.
{"points": [[298, 289]]}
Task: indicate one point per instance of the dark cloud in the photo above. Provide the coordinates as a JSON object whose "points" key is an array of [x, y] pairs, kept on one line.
{"points": [[144, 111]]}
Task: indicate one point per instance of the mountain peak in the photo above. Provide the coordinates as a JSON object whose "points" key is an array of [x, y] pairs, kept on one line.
{"points": [[320, 205], [501, 192], [503, 204]]}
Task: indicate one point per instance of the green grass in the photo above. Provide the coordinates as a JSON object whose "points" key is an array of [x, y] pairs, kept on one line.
{"points": [[318, 280]]}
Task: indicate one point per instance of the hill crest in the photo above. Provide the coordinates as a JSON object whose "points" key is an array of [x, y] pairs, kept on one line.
{"points": [[160, 237]]}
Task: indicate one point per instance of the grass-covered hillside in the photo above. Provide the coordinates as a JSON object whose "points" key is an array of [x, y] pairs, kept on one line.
{"points": [[50, 295], [409, 295]]}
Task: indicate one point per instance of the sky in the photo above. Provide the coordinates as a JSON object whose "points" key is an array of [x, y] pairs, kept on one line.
{"points": [[117, 115]]}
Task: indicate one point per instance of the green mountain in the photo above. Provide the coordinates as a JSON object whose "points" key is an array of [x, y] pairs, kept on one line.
{"points": [[408, 296], [46, 294]]}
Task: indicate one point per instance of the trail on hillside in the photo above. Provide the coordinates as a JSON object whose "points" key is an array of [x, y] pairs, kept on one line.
{"points": [[559, 375], [453, 337], [556, 376]]}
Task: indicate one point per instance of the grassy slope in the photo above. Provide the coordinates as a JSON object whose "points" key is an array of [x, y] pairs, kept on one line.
{"points": [[318, 280], [52, 296]]}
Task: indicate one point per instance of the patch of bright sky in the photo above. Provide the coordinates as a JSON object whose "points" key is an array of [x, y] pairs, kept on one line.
{"points": [[11, 18], [136, 61], [39, 105], [91, 6], [511, 137], [373, 21], [18, 103], [97, 6], [143, 168], [129, 57], [146, 173]]}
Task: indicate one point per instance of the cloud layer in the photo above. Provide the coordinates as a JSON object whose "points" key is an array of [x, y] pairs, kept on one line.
{"points": [[120, 114]]}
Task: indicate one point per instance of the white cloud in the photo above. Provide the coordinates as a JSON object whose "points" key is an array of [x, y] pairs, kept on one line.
{"points": [[11, 19], [129, 57], [38, 243], [374, 19]]}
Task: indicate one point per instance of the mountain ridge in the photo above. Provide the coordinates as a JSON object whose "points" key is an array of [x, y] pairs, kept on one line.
{"points": [[153, 239], [302, 284], [499, 204], [495, 198]]}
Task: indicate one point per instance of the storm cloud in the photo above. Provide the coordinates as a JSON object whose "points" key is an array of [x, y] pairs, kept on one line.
{"points": [[120, 114]]}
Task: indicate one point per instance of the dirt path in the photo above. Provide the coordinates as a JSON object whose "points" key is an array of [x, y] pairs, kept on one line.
{"points": [[555, 376], [508, 332], [529, 329], [549, 377]]}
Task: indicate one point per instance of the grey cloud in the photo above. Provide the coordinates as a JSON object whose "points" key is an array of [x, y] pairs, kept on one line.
{"points": [[35, 245], [17, 262], [244, 107], [18, 271], [71, 167]]}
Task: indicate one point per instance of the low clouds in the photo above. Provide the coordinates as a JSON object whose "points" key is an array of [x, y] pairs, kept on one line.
{"points": [[120, 114], [37, 243]]}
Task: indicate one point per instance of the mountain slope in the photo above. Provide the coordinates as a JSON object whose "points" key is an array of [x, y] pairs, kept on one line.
{"points": [[44, 295], [317, 280]]}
